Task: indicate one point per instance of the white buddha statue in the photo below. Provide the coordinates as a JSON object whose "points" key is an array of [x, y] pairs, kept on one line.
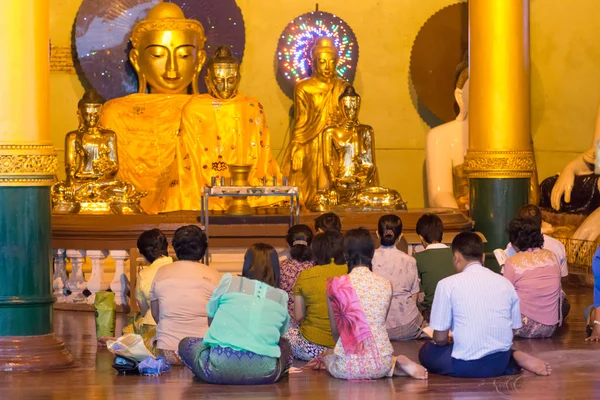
{"points": [[576, 190], [447, 144]]}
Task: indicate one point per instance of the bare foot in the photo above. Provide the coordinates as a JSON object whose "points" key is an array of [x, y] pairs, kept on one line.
{"points": [[532, 364], [405, 367]]}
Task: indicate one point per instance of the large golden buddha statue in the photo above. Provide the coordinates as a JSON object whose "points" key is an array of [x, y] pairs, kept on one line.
{"points": [[315, 108], [349, 160], [168, 56], [91, 164], [221, 128]]}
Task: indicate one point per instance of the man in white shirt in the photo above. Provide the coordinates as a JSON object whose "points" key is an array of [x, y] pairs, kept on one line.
{"points": [[482, 310]]}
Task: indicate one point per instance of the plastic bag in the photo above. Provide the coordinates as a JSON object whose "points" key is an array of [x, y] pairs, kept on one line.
{"points": [[129, 346], [154, 367], [106, 310]]}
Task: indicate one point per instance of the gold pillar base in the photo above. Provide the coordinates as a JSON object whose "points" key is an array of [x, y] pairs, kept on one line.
{"points": [[239, 205]]}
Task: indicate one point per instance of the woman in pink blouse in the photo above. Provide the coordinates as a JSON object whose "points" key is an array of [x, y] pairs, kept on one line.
{"points": [[535, 274]]}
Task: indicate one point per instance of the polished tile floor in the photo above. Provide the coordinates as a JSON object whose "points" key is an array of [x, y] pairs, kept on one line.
{"points": [[575, 363]]}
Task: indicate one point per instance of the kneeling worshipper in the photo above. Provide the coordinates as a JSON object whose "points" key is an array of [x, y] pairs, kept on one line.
{"points": [[404, 321], [300, 257], [247, 317], [153, 246], [535, 274], [180, 292], [358, 304], [482, 309], [313, 336]]}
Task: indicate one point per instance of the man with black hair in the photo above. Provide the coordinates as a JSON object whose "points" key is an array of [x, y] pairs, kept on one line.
{"points": [[435, 263], [328, 222], [482, 310]]}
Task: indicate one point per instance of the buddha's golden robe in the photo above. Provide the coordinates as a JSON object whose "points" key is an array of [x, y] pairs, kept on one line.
{"points": [[214, 133], [315, 108], [147, 127]]}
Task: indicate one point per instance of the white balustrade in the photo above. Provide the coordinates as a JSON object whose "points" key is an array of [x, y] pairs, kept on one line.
{"points": [[59, 279], [120, 283], [96, 283], [76, 283]]}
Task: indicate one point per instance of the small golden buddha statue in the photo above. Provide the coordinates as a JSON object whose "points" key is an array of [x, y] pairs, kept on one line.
{"points": [[218, 129], [349, 160], [167, 55], [91, 164], [315, 108]]}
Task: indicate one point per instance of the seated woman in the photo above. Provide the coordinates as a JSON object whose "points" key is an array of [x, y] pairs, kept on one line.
{"points": [[247, 317], [404, 321], [310, 305], [358, 305], [153, 246], [180, 293], [299, 239], [535, 274]]}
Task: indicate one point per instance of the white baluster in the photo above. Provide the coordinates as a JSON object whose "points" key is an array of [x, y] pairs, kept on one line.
{"points": [[76, 283], [59, 279], [96, 283], [120, 283]]}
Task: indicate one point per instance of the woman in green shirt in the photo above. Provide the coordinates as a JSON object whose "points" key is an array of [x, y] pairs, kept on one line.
{"points": [[310, 299], [247, 316]]}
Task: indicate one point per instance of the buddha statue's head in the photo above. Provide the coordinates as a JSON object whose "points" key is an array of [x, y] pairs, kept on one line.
{"points": [[223, 74], [461, 92], [349, 103], [168, 51], [325, 57], [89, 109]]}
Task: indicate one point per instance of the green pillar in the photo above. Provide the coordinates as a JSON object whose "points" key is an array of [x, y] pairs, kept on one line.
{"points": [[28, 164], [494, 202]]}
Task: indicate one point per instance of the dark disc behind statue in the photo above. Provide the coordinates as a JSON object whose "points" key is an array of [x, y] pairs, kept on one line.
{"points": [[103, 28]]}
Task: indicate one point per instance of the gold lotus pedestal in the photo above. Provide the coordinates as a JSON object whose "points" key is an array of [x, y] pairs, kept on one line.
{"points": [[239, 174]]}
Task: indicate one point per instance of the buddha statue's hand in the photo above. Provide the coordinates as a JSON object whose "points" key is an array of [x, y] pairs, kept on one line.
{"points": [[566, 180], [297, 159]]}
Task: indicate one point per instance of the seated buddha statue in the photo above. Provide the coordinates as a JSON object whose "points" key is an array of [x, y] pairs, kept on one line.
{"points": [[349, 162], [220, 128], [167, 55], [91, 164], [446, 147], [315, 108], [447, 144], [577, 191]]}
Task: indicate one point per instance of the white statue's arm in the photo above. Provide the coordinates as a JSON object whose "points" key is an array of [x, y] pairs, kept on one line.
{"points": [[579, 166], [590, 229], [438, 161]]}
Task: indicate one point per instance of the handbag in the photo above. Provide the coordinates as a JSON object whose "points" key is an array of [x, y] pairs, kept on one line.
{"points": [[125, 366]]}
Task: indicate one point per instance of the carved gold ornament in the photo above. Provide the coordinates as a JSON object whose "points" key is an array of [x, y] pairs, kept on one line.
{"points": [[27, 165], [500, 164]]}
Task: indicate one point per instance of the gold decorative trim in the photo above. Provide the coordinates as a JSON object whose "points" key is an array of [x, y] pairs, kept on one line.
{"points": [[61, 59], [27, 165], [168, 24], [500, 164]]}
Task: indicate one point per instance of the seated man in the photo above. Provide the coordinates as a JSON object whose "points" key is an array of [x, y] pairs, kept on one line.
{"points": [[435, 263], [482, 309], [328, 222]]}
